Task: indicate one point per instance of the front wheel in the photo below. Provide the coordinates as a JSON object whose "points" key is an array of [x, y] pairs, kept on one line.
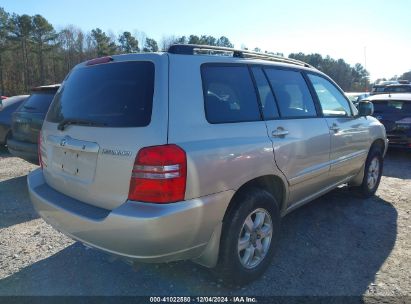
{"points": [[250, 232], [372, 173]]}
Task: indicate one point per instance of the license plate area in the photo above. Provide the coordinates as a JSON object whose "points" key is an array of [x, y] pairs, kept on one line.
{"points": [[76, 164]]}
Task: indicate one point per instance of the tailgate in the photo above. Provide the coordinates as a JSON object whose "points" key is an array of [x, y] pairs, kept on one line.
{"points": [[26, 126], [91, 156]]}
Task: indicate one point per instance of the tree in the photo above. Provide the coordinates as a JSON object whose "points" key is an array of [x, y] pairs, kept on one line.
{"points": [[181, 40], [43, 32], [406, 76], [21, 29], [166, 42], [224, 42], [150, 45], [207, 40], [4, 21], [193, 39], [128, 43], [348, 78], [103, 43]]}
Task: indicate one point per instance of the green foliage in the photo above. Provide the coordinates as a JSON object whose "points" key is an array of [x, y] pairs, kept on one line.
{"points": [[347, 77], [150, 45], [225, 42], [128, 43], [32, 53], [406, 76], [103, 43]]}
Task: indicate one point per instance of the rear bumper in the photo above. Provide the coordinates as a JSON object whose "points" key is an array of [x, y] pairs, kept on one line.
{"points": [[136, 231], [399, 141], [24, 150]]}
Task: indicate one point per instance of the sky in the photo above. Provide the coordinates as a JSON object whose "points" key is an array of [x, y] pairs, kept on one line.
{"points": [[375, 33]]}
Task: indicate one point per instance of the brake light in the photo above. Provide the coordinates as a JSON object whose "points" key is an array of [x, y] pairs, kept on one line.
{"points": [[159, 175], [39, 141], [99, 60]]}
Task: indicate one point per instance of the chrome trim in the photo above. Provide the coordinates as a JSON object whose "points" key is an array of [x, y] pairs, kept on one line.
{"points": [[148, 175], [157, 168]]}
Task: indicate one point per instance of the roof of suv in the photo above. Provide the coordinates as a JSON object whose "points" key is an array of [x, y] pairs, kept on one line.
{"points": [[212, 53], [194, 49]]}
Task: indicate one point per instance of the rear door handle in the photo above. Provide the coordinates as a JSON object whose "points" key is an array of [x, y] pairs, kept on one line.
{"points": [[279, 132], [335, 127]]}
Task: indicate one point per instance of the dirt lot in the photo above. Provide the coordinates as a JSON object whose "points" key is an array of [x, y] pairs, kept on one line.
{"points": [[338, 245]]}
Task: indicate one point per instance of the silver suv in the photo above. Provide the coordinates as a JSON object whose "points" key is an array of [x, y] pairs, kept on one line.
{"points": [[197, 153]]}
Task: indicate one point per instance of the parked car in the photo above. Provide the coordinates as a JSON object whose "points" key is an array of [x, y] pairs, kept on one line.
{"points": [[401, 86], [27, 121], [394, 112], [356, 97], [7, 107], [166, 156], [397, 88]]}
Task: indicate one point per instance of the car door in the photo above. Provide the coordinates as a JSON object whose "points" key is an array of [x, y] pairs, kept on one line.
{"points": [[349, 132], [301, 140]]}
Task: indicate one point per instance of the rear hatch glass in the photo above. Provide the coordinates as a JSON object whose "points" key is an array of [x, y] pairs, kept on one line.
{"points": [[98, 121], [111, 95]]}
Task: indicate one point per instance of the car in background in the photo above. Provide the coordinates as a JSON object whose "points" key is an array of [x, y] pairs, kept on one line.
{"points": [[394, 112], [27, 121], [397, 86], [7, 107], [356, 97]]}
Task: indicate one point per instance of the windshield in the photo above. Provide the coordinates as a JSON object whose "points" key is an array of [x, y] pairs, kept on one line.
{"points": [[112, 94]]}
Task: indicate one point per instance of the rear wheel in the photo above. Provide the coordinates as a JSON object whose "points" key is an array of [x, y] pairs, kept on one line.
{"points": [[372, 173], [8, 136], [250, 232]]}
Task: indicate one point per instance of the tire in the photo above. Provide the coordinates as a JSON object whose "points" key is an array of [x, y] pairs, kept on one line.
{"points": [[238, 266], [372, 173]]}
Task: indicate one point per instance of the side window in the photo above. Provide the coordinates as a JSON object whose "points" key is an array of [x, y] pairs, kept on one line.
{"points": [[229, 94], [269, 107], [333, 103], [292, 94]]}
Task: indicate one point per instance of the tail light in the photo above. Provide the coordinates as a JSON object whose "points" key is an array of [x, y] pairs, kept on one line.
{"points": [[40, 151], [159, 175]]}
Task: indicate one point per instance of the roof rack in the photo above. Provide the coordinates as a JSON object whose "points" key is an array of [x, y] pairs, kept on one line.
{"points": [[195, 49]]}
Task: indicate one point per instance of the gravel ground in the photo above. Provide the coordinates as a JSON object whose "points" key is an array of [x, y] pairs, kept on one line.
{"points": [[337, 245]]}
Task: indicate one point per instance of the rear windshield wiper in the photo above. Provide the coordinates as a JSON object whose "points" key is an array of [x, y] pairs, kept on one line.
{"points": [[81, 122]]}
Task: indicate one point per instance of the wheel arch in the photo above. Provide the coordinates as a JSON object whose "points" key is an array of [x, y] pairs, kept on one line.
{"points": [[271, 183], [378, 144]]}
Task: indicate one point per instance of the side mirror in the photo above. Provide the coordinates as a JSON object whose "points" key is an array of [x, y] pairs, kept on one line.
{"points": [[365, 108]]}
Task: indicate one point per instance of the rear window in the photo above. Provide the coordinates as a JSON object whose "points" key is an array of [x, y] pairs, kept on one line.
{"points": [[112, 94], [399, 89], [229, 94], [392, 106], [38, 102]]}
